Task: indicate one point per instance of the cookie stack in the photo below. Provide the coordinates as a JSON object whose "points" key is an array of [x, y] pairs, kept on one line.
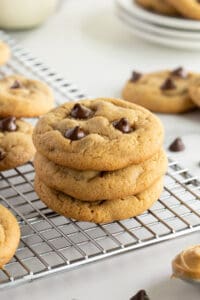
{"points": [[168, 91], [20, 97], [99, 160]]}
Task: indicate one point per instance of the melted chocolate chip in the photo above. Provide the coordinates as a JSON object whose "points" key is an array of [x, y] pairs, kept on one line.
{"points": [[2, 154], [180, 72], [123, 125], [168, 84], [16, 85], [80, 112], [102, 173], [135, 76], [141, 295], [8, 124], [75, 133], [177, 145]]}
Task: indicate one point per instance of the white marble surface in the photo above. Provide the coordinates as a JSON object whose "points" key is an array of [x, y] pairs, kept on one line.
{"points": [[87, 44]]}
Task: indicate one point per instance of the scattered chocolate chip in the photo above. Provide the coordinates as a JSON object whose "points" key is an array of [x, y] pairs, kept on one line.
{"points": [[75, 133], [2, 154], [177, 145], [16, 85], [168, 84], [135, 76], [8, 124], [141, 295], [80, 112], [180, 72], [123, 125]]}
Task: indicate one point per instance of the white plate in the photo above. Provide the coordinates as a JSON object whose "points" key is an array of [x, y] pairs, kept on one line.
{"points": [[133, 9], [166, 41], [153, 28]]}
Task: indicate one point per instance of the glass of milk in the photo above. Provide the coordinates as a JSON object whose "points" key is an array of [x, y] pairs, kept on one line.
{"points": [[24, 14]]}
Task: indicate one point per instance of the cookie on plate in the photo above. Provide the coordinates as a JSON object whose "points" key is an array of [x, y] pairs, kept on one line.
{"points": [[159, 6], [102, 211], [9, 235], [4, 53], [16, 146], [96, 185], [165, 91], [101, 134], [194, 91], [188, 8], [23, 97]]}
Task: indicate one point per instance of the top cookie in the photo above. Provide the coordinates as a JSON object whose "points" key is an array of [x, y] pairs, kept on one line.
{"points": [[4, 53], [101, 134], [23, 97], [188, 8], [165, 91], [162, 7]]}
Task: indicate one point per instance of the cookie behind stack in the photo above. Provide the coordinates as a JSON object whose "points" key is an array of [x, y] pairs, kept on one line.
{"points": [[99, 160]]}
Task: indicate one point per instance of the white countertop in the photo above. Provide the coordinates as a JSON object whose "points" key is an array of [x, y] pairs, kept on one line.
{"points": [[88, 45]]}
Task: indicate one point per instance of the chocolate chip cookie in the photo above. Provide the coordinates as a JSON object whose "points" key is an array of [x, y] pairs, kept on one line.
{"points": [[16, 146], [9, 235], [4, 53], [188, 8], [23, 97], [159, 6], [100, 211], [194, 91], [102, 134], [96, 185], [165, 91]]}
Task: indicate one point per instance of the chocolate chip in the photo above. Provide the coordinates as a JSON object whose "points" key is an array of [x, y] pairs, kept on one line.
{"points": [[75, 133], [80, 112], [168, 84], [180, 72], [177, 145], [2, 154], [123, 125], [102, 173], [141, 295], [16, 85], [135, 76], [8, 124]]}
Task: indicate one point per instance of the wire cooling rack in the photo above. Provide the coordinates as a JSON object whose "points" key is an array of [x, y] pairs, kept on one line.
{"points": [[51, 243]]}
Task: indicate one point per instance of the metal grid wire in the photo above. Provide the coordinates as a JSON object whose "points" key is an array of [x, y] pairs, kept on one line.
{"points": [[51, 243]]}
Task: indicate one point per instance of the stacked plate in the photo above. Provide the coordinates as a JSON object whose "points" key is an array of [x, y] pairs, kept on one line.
{"points": [[165, 30]]}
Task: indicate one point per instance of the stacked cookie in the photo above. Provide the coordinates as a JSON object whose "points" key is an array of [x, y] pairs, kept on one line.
{"points": [[185, 8], [20, 97], [99, 160], [168, 91]]}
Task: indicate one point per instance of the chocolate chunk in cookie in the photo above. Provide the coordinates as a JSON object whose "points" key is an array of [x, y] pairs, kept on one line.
{"points": [[135, 76], [81, 112], [8, 124], [2, 154], [168, 84], [141, 295], [180, 72], [177, 145], [75, 133], [16, 85], [123, 125]]}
